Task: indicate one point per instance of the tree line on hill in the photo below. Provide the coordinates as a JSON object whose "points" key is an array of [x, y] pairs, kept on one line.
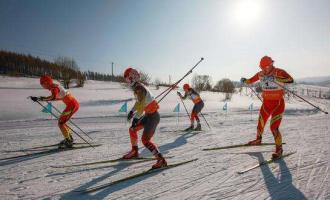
{"points": [[63, 69], [66, 71]]}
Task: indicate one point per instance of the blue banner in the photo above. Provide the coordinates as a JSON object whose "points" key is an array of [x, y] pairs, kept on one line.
{"points": [[123, 108], [251, 107], [48, 108], [177, 108], [224, 106]]}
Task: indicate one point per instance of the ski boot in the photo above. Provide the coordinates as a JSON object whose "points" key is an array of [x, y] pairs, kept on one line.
{"points": [[198, 127], [161, 162], [66, 143], [134, 153], [190, 128], [255, 142], [278, 152]]}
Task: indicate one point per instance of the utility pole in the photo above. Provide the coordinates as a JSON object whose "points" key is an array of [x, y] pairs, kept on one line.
{"points": [[112, 78], [112, 69]]}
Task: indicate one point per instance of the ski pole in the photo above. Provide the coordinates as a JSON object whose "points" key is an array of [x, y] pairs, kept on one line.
{"points": [[169, 89], [300, 97], [68, 126], [72, 123], [255, 93], [205, 120], [184, 105]]}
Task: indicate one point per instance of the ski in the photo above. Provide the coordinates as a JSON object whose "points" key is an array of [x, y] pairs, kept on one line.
{"points": [[238, 145], [192, 131], [48, 151], [139, 159], [271, 160], [40, 147], [183, 131], [150, 171]]}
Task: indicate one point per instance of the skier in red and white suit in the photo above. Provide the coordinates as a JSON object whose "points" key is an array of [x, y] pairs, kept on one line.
{"points": [[273, 105], [198, 106], [149, 122], [72, 106]]}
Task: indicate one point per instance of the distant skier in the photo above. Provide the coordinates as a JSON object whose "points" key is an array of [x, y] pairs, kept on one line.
{"points": [[72, 106], [198, 106], [273, 101], [149, 122]]}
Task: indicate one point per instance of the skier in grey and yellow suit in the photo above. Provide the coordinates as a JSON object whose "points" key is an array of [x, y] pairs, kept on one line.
{"points": [[145, 103]]}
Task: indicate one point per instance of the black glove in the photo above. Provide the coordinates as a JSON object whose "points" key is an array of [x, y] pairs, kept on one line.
{"points": [[130, 115], [34, 99], [135, 122], [243, 80], [178, 93]]}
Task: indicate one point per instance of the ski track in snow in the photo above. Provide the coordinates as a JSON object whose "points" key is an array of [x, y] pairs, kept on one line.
{"points": [[303, 175]]}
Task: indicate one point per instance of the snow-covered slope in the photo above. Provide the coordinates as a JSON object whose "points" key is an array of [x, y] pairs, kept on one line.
{"points": [[303, 175], [321, 81]]}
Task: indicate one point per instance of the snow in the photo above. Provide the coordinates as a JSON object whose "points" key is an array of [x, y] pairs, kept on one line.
{"points": [[318, 81], [303, 175], [314, 79]]}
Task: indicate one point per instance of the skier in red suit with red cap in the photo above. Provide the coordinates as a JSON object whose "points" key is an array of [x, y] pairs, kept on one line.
{"points": [[72, 106], [272, 80]]}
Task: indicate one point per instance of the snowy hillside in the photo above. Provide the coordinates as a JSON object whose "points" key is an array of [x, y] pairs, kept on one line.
{"points": [[321, 81], [303, 175]]}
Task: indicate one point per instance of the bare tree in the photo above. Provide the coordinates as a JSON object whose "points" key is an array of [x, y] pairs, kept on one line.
{"points": [[202, 82], [225, 86], [67, 62], [145, 78], [157, 83], [70, 71]]}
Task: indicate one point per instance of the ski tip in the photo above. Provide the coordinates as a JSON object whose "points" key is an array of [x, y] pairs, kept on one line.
{"points": [[283, 156], [292, 152], [79, 191], [189, 161], [172, 165], [56, 166], [211, 149], [192, 160]]}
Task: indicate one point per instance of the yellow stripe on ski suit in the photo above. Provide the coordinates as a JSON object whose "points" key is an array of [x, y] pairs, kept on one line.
{"points": [[262, 123], [64, 128], [274, 119]]}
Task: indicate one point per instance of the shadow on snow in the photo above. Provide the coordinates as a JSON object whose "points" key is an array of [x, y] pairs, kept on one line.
{"points": [[280, 187], [181, 140]]}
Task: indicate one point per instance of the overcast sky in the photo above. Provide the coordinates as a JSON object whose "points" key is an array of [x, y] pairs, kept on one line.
{"points": [[168, 37]]}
